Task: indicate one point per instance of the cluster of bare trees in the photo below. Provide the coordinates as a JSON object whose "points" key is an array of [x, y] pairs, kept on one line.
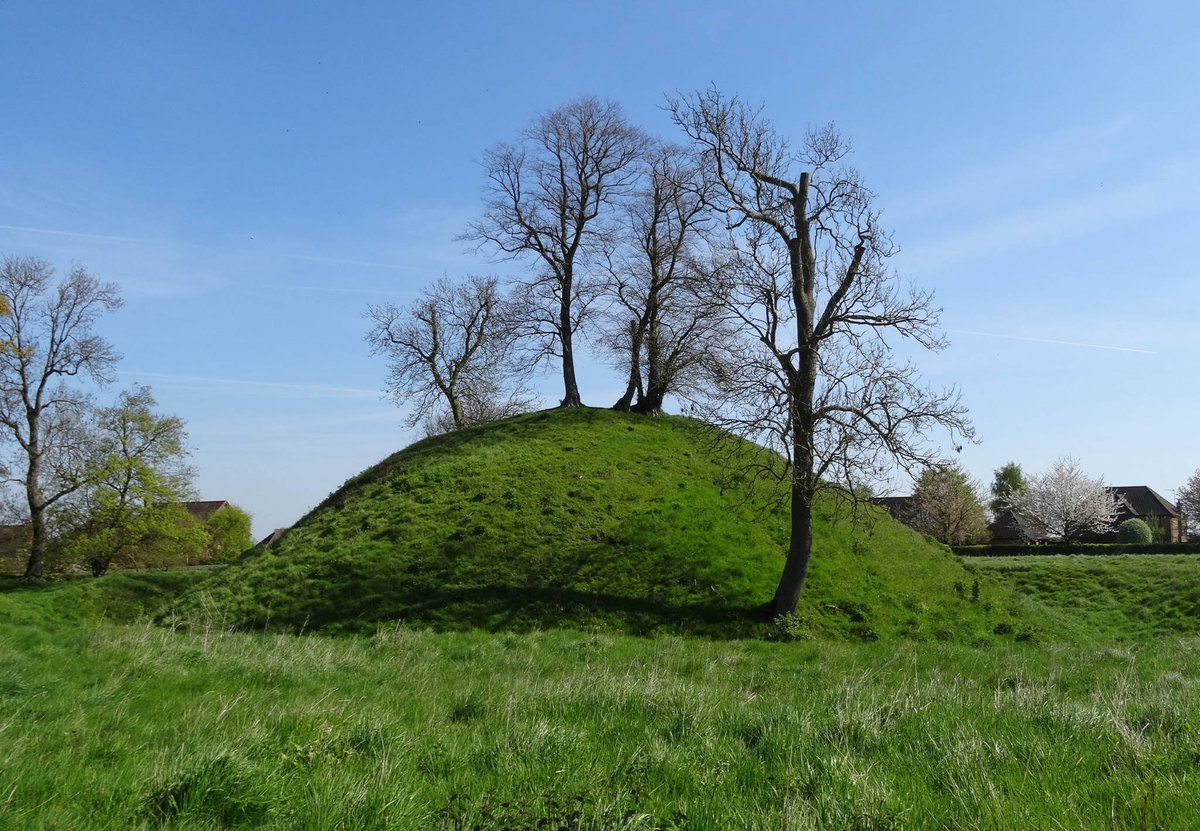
{"points": [[735, 270], [618, 232]]}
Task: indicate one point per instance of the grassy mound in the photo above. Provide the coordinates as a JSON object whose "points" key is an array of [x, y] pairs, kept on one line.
{"points": [[592, 519]]}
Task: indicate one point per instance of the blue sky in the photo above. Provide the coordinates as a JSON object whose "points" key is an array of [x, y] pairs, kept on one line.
{"points": [[253, 174]]}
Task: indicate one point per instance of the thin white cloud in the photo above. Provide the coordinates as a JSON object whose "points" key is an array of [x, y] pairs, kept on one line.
{"points": [[82, 235], [1053, 341], [341, 261], [1167, 190], [334, 289], [94, 237], [1045, 160], [277, 387]]}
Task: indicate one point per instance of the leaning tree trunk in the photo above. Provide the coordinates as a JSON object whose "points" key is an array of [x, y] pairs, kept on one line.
{"points": [[795, 568], [634, 382]]}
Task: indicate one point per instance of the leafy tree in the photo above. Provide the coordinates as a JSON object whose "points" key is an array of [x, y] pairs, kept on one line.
{"points": [[1008, 480], [136, 476], [1066, 502], [228, 531], [946, 506], [812, 375], [548, 198], [49, 340], [450, 355]]}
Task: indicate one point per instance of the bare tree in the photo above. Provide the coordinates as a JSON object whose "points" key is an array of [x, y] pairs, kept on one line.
{"points": [[48, 339], [1066, 502], [450, 355], [814, 376], [546, 199], [660, 320]]}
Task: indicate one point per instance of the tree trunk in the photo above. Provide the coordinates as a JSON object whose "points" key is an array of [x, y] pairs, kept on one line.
{"points": [[795, 569], [571, 388], [35, 568], [566, 336], [651, 403], [634, 382], [802, 384]]}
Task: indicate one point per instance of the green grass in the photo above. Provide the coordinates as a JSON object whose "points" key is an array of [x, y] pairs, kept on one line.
{"points": [[120, 597], [589, 519], [1001, 694], [140, 727], [1125, 597]]}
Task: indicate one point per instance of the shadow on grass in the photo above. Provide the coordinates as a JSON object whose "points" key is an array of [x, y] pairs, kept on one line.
{"points": [[513, 609]]}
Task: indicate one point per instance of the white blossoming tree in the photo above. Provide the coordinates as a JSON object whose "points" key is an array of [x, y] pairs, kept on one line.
{"points": [[1065, 502], [1189, 500]]}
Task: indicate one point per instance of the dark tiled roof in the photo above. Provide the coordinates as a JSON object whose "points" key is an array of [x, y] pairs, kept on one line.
{"points": [[900, 507], [202, 510], [1144, 501]]}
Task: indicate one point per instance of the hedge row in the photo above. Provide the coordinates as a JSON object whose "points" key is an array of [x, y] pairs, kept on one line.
{"points": [[1086, 549]]}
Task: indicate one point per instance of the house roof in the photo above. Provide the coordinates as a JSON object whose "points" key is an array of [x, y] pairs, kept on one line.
{"points": [[203, 509], [271, 538], [1144, 501], [900, 507], [892, 501]]}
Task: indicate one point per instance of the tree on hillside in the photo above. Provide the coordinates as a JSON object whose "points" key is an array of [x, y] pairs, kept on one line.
{"points": [[946, 505], [49, 340], [1008, 480], [136, 476], [450, 355], [1189, 500], [548, 198], [813, 376], [660, 322], [1066, 502]]}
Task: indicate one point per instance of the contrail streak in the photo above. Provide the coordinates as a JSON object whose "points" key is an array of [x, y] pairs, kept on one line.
{"points": [[142, 241], [1053, 341], [280, 386], [76, 234]]}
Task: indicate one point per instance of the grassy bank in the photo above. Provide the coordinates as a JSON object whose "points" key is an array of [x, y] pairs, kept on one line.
{"points": [[1123, 597]]}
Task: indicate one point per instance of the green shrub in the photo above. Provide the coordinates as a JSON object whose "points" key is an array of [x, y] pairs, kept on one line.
{"points": [[1135, 531]]}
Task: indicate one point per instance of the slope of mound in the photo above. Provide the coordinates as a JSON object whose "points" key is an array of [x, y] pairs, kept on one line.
{"points": [[1124, 596], [585, 518]]}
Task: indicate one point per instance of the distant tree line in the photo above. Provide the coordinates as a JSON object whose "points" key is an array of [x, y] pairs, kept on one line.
{"points": [[1063, 504]]}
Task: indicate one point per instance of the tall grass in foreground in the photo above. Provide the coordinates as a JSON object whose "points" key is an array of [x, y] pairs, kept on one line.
{"points": [[124, 726]]}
